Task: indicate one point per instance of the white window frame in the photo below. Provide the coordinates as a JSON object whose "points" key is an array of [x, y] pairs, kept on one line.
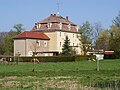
{"points": [[49, 25], [60, 25]]}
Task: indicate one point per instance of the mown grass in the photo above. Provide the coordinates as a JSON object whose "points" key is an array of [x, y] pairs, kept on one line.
{"points": [[59, 74]]}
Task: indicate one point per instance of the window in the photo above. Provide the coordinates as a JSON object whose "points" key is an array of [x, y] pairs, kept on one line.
{"points": [[39, 25], [77, 28], [69, 26], [60, 34], [36, 26], [73, 35], [76, 36], [60, 44], [49, 25], [65, 34], [73, 44], [30, 53], [45, 43], [38, 42], [60, 25]]}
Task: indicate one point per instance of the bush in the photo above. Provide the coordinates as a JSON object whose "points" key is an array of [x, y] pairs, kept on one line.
{"points": [[110, 56], [58, 58], [116, 55], [82, 57], [51, 58]]}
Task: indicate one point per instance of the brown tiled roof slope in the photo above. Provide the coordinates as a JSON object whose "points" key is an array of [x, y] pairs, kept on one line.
{"points": [[55, 20], [32, 35]]}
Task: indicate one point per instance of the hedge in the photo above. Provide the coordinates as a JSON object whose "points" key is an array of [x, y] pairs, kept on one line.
{"points": [[57, 58], [48, 59], [115, 55], [82, 57], [52, 58]]}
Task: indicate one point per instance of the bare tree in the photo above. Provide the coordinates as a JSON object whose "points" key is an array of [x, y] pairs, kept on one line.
{"points": [[34, 48], [116, 21], [96, 32]]}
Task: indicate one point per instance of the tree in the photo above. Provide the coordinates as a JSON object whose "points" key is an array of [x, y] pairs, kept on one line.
{"points": [[103, 40], [67, 50], [114, 42], [8, 43], [86, 36], [8, 39], [2, 36], [114, 38], [96, 32], [116, 21], [18, 28]]}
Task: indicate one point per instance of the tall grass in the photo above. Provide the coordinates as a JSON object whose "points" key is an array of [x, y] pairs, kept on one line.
{"points": [[80, 75]]}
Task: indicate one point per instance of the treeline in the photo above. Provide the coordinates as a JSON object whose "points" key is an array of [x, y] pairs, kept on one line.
{"points": [[6, 39], [95, 37]]}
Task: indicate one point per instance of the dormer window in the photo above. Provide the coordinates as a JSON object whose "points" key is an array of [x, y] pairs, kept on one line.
{"points": [[36, 25], [77, 28], [49, 25], [39, 25], [69, 26], [60, 25]]}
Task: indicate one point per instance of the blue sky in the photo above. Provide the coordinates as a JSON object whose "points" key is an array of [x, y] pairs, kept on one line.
{"points": [[27, 12]]}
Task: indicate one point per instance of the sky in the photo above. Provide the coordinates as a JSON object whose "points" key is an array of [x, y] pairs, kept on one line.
{"points": [[28, 12]]}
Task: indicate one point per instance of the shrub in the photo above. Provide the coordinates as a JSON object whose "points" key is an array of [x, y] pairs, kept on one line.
{"points": [[49, 59], [116, 55], [52, 58], [58, 58], [110, 56], [86, 57]]}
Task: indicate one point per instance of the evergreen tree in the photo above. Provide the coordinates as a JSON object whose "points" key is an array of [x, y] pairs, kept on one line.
{"points": [[67, 50]]}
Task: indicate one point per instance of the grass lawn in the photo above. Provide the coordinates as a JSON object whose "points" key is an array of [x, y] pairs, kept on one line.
{"points": [[60, 76]]}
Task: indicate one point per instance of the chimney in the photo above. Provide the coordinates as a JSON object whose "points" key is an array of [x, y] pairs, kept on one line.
{"points": [[66, 17], [54, 15]]}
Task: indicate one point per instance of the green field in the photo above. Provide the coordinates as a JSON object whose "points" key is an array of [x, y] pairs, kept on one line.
{"points": [[80, 75]]}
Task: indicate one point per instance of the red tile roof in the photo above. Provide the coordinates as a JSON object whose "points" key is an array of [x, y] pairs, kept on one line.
{"points": [[33, 35], [55, 20]]}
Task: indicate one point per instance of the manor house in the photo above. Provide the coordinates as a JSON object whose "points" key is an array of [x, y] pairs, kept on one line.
{"points": [[46, 38]]}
